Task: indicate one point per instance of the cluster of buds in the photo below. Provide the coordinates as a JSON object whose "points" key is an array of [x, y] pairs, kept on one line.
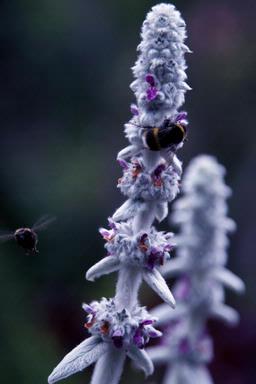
{"points": [[144, 249], [138, 182], [123, 328], [160, 69]]}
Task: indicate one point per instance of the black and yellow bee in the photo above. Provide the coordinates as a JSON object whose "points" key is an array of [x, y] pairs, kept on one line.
{"points": [[170, 134]]}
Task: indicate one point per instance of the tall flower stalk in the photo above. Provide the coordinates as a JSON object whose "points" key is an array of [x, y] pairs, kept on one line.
{"points": [[200, 266], [119, 326]]}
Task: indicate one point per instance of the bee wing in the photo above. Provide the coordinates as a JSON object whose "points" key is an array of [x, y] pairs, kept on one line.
{"points": [[5, 236], [43, 222]]}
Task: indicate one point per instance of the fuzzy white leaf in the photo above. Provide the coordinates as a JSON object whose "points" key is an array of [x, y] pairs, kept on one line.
{"points": [[225, 313], [188, 374], [79, 358], [128, 210], [141, 359], [229, 279], [161, 211], [174, 267], [164, 314], [128, 152], [109, 367], [107, 265], [159, 354], [155, 280]]}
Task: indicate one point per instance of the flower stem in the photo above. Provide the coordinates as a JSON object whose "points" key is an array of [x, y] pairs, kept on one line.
{"points": [[128, 283]]}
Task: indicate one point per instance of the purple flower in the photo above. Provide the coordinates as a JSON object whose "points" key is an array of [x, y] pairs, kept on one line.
{"points": [[117, 338], [159, 169], [151, 93], [123, 164], [111, 223], [87, 308], [147, 322], [153, 333], [134, 109], [150, 79], [138, 338], [181, 116]]}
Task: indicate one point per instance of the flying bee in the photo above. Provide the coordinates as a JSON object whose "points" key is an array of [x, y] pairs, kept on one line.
{"points": [[171, 134], [27, 238]]}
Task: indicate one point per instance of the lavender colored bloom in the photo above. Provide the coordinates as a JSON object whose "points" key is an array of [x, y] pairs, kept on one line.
{"points": [[151, 93], [200, 265], [145, 249], [150, 79], [162, 53], [159, 183], [134, 109], [119, 327]]}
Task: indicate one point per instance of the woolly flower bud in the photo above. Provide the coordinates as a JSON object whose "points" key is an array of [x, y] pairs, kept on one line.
{"points": [[160, 69], [122, 328], [138, 182], [145, 249], [201, 257], [202, 213]]}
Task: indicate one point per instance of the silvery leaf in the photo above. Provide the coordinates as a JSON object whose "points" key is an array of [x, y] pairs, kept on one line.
{"points": [[174, 267], [155, 280], [164, 314], [128, 152], [225, 313], [107, 265], [79, 358], [229, 279], [141, 359], [109, 367], [159, 354]]}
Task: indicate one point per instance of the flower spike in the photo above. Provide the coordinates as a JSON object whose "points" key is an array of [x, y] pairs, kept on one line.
{"points": [[136, 250]]}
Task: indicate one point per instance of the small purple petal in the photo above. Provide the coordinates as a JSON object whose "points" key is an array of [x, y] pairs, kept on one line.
{"points": [[123, 163], [168, 247], [181, 116], [150, 79], [151, 93], [111, 223], [147, 322], [118, 333], [155, 250], [143, 237], [87, 308], [138, 338], [104, 232], [159, 169], [153, 259], [134, 109], [153, 333]]}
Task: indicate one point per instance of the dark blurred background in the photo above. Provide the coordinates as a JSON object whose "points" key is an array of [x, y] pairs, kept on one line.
{"points": [[64, 97]]}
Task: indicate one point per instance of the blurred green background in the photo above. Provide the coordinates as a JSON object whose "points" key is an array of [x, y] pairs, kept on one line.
{"points": [[64, 97]]}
